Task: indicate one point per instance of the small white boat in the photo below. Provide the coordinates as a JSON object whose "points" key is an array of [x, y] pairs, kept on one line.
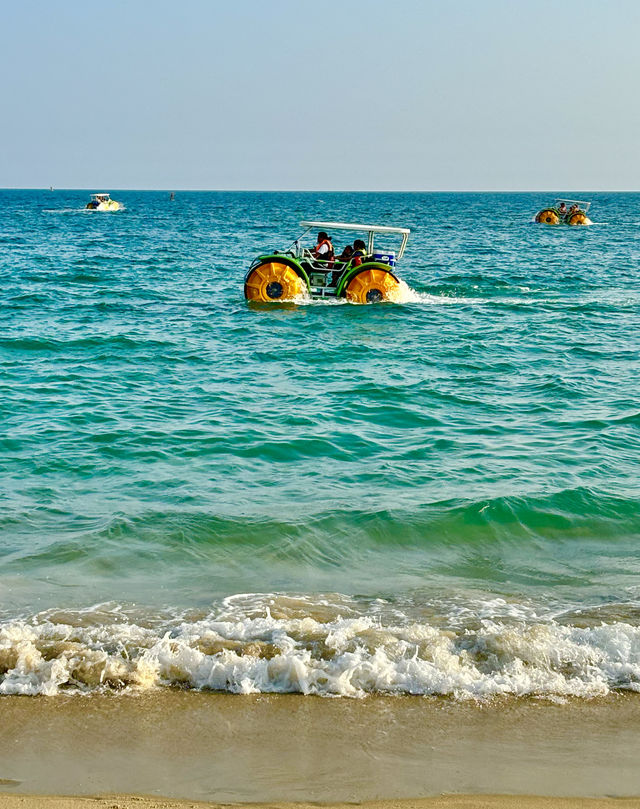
{"points": [[103, 202]]}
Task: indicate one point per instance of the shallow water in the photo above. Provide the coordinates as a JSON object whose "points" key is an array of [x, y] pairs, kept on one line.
{"points": [[439, 496]]}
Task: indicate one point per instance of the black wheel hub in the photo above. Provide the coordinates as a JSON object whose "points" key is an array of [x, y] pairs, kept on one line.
{"points": [[274, 289], [374, 296]]}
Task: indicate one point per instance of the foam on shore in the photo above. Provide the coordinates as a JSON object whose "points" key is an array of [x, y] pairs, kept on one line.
{"points": [[278, 644]]}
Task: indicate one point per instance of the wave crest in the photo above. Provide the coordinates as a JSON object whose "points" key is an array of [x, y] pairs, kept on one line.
{"points": [[273, 645]]}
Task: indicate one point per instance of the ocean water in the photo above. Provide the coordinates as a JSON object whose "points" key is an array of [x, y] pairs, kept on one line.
{"points": [[438, 497]]}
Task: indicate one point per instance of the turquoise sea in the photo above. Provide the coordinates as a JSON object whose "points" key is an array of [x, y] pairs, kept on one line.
{"points": [[440, 496]]}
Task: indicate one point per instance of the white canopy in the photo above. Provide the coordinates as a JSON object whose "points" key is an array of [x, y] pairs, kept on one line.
{"points": [[370, 229], [581, 202], [346, 226]]}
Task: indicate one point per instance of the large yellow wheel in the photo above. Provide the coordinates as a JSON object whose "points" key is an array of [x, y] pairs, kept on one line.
{"points": [[373, 285], [577, 218], [273, 281], [548, 217]]}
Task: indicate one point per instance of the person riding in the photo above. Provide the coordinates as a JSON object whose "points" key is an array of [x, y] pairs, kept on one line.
{"points": [[324, 249], [562, 208], [574, 209], [359, 252], [346, 253]]}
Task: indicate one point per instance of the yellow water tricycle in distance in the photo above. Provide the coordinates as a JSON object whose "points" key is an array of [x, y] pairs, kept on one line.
{"points": [[366, 276], [103, 202], [565, 212]]}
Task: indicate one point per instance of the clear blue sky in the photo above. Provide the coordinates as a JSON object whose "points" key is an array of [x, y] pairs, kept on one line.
{"points": [[286, 94]]}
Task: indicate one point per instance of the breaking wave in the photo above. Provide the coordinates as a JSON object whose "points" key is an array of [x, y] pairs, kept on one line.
{"points": [[327, 647]]}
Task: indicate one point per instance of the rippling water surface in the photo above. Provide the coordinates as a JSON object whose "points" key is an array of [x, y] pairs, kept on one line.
{"points": [[439, 496]]}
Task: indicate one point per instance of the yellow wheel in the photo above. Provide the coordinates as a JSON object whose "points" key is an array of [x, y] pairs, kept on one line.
{"points": [[577, 218], [548, 217], [273, 281], [373, 285]]}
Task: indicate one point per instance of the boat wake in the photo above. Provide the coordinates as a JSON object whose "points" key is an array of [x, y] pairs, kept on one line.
{"points": [[406, 294]]}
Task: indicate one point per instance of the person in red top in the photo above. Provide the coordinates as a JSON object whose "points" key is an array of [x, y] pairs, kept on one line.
{"points": [[359, 253]]}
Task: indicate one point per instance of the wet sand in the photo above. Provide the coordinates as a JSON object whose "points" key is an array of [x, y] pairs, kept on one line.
{"points": [[265, 749], [443, 802]]}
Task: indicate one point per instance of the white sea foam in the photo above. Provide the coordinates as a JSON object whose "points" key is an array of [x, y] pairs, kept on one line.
{"points": [[410, 295], [406, 294], [244, 648]]}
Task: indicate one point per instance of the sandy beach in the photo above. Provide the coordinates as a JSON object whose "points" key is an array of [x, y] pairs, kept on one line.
{"points": [[442, 802], [228, 749]]}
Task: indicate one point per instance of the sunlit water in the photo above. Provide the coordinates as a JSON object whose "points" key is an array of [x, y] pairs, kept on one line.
{"points": [[439, 496]]}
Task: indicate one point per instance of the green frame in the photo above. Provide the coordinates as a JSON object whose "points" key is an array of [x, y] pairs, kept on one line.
{"points": [[340, 288]]}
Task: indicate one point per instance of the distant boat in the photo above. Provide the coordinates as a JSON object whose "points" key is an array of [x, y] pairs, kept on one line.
{"points": [[172, 196], [565, 212], [103, 202]]}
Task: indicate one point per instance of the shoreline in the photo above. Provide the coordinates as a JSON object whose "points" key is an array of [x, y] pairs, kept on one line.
{"points": [[288, 749], [440, 802]]}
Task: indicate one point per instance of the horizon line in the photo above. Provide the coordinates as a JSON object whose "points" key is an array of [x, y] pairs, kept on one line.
{"points": [[332, 191]]}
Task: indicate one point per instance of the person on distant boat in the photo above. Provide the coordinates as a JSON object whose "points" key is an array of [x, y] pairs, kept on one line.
{"points": [[359, 252], [574, 209], [324, 249], [562, 208]]}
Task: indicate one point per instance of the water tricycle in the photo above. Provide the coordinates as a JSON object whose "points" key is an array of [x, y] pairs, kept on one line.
{"points": [[103, 202], [565, 212], [361, 274]]}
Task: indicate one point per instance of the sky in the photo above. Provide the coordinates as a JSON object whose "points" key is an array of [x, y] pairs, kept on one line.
{"points": [[412, 95]]}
